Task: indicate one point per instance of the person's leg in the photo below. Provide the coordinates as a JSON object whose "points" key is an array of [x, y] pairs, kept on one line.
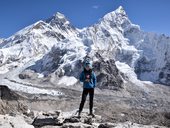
{"points": [[91, 95], [83, 99]]}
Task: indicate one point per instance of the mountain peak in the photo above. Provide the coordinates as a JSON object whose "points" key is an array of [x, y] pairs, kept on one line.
{"points": [[121, 10], [59, 15], [60, 23], [116, 16], [58, 19]]}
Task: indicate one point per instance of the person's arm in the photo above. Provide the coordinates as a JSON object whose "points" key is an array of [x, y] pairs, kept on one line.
{"points": [[82, 77], [94, 79]]}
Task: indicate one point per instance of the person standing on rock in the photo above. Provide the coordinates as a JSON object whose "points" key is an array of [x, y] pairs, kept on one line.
{"points": [[88, 78]]}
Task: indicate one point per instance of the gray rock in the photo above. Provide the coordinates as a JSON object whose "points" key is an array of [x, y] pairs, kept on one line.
{"points": [[106, 125], [47, 119], [76, 125], [28, 74], [7, 94], [72, 120], [108, 75]]}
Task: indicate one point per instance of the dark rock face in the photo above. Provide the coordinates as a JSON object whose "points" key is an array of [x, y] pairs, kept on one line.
{"points": [[47, 65], [164, 75], [108, 76], [38, 122], [106, 125], [49, 118], [9, 102], [28, 74], [72, 120], [7, 94], [107, 73]]}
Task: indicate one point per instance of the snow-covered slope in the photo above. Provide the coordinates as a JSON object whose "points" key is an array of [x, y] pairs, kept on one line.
{"points": [[34, 40], [61, 48], [146, 53], [154, 61], [1, 40], [107, 37], [60, 23]]}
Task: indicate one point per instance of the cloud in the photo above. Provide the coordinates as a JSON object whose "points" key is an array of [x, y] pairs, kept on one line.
{"points": [[95, 6]]}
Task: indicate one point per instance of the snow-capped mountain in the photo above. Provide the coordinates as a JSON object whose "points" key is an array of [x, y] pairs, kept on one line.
{"points": [[146, 53], [65, 58], [115, 45], [60, 23], [34, 40], [40, 66]]}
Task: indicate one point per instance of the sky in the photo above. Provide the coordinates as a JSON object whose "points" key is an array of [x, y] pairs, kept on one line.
{"points": [[151, 15]]}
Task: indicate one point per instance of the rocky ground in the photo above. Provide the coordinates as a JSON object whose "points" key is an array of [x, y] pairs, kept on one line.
{"points": [[130, 107]]}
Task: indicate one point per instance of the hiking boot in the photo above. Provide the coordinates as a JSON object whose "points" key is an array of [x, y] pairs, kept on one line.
{"points": [[79, 115], [91, 114]]}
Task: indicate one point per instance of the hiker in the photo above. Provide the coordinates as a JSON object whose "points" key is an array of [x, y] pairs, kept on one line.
{"points": [[88, 78]]}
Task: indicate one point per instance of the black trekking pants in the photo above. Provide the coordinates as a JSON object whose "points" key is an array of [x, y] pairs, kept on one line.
{"points": [[87, 91]]}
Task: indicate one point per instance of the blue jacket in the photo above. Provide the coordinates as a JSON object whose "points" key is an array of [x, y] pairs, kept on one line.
{"points": [[92, 80]]}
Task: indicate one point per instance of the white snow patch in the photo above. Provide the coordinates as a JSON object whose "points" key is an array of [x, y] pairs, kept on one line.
{"points": [[130, 74], [40, 75], [126, 69], [67, 80]]}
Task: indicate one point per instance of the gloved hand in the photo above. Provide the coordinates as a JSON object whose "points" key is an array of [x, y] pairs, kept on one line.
{"points": [[87, 80]]}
